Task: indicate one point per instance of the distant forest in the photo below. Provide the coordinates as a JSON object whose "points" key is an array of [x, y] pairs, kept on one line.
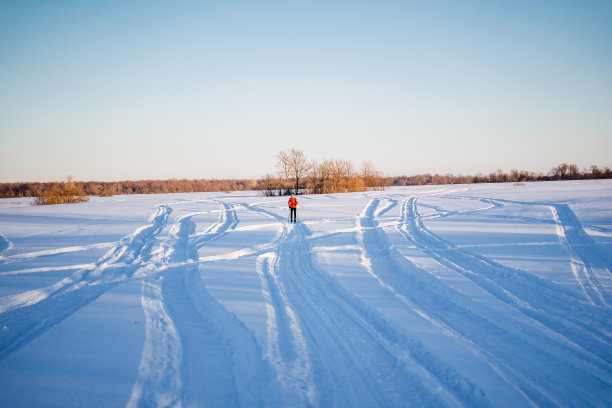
{"points": [[317, 178], [110, 188], [561, 172]]}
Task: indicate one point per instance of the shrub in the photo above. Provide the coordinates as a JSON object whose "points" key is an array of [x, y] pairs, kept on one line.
{"points": [[62, 193]]}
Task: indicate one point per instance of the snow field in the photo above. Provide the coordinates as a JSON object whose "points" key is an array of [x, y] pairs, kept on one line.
{"points": [[479, 295]]}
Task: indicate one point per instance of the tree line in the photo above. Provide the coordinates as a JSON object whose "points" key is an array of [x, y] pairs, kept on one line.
{"points": [[295, 174], [110, 188], [563, 171]]}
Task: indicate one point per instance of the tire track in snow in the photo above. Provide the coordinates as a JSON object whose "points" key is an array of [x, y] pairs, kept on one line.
{"points": [[27, 315], [440, 212], [397, 275], [116, 265], [159, 380], [358, 359], [513, 350], [220, 362], [56, 251], [590, 268], [287, 349], [564, 313], [48, 269], [4, 245], [389, 205], [256, 250], [286, 346]]}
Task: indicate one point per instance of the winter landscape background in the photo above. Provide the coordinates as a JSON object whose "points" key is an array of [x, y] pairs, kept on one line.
{"points": [[460, 295]]}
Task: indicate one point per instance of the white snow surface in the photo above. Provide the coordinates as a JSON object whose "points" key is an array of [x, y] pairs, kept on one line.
{"points": [[433, 296]]}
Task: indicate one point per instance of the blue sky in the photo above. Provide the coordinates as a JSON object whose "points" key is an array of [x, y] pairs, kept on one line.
{"points": [[114, 90]]}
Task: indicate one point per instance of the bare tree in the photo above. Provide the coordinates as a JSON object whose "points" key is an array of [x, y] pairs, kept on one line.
{"points": [[349, 170], [318, 175], [336, 182], [334, 176], [268, 185], [284, 170], [371, 177], [514, 175], [293, 168], [574, 172], [560, 172], [299, 167], [595, 172]]}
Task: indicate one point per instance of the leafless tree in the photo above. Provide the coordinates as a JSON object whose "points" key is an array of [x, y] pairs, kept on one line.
{"points": [[268, 185], [574, 172], [560, 172], [371, 177], [293, 167], [284, 170], [299, 166]]}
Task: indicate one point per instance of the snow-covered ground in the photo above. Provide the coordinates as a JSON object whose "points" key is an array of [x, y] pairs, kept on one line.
{"points": [[466, 295]]}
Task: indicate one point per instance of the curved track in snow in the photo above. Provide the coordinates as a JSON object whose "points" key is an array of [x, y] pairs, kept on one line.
{"points": [[365, 303], [524, 355], [346, 352], [4, 244], [195, 350], [29, 314], [547, 303], [592, 267]]}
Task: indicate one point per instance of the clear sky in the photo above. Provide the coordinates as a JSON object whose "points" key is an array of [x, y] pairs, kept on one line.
{"points": [[114, 90]]}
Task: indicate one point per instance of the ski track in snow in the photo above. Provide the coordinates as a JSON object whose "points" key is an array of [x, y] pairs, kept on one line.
{"points": [[4, 245], [592, 266], [540, 299], [159, 380], [57, 251], [47, 269], [29, 314], [355, 357], [287, 347], [510, 345], [213, 357], [325, 346], [575, 328], [592, 270]]}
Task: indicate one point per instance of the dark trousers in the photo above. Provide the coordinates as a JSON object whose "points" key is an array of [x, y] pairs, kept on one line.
{"points": [[293, 214]]}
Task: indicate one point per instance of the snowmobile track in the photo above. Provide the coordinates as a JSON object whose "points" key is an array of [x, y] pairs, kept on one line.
{"points": [[510, 345], [205, 345], [391, 367], [28, 315], [550, 304]]}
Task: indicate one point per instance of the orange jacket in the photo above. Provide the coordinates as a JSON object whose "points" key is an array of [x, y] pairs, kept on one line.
{"points": [[293, 202]]}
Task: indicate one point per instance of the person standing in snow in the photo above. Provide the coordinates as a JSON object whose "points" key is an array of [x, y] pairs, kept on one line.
{"points": [[293, 202]]}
